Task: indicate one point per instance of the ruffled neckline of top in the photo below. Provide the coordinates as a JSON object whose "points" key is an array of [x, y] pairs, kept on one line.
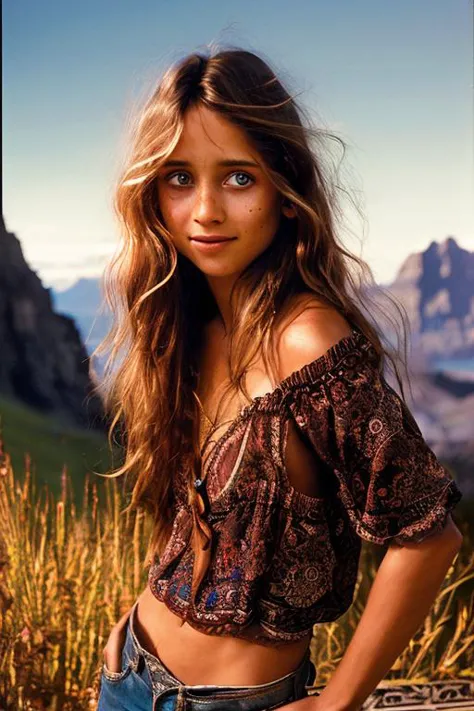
{"points": [[308, 372]]}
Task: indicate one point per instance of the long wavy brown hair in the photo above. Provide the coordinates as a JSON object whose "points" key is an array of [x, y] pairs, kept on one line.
{"points": [[161, 302]]}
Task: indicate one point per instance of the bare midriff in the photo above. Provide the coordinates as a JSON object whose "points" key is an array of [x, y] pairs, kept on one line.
{"points": [[197, 658]]}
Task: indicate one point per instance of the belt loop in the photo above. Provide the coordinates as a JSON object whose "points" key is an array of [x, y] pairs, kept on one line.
{"points": [[180, 700]]}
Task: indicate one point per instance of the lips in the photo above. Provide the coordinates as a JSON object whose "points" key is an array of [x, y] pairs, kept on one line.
{"points": [[211, 245], [211, 238]]}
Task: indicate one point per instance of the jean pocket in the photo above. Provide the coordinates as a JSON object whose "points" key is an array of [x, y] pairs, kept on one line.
{"points": [[116, 677], [128, 664]]}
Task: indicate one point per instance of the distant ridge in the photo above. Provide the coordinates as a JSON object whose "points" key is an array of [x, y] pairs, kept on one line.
{"points": [[82, 300]]}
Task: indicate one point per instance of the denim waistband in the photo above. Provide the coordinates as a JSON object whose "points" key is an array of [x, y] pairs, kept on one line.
{"points": [[292, 686]]}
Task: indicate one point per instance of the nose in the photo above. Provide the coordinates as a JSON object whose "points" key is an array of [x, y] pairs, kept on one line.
{"points": [[208, 206]]}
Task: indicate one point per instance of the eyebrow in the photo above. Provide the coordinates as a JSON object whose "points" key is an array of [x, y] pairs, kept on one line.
{"points": [[224, 163]]}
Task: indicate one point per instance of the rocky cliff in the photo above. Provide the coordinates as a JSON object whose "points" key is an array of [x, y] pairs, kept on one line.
{"points": [[43, 361], [437, 289]]}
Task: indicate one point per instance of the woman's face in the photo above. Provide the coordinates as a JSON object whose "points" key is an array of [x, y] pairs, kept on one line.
{"points": [[213, 185]]}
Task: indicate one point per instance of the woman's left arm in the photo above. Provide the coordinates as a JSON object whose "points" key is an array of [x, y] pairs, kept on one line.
{"points": [[405, 587]]}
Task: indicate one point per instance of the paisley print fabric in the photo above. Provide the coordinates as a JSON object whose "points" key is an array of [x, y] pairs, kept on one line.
{"points": [[282, 561]]}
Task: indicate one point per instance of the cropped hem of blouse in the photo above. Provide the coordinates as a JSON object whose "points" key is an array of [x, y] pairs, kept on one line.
{"points": [[279, 560]]}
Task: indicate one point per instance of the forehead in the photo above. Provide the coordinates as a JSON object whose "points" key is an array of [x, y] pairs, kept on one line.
{"points": [[208, 136]]}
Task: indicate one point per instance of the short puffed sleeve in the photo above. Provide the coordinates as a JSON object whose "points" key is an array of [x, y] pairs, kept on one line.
{"points": [[390, 482]]}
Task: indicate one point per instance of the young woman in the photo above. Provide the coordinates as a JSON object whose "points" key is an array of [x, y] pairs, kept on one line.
{"points": [[264, 440]]}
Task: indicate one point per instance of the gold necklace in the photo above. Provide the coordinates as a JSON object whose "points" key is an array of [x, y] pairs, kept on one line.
{"points": [[204, 430]]}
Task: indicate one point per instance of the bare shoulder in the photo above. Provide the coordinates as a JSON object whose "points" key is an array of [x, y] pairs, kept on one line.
{"points": [[309, 330]]}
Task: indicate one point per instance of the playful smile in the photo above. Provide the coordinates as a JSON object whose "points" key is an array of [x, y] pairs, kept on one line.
{"points": [[211, 245]]}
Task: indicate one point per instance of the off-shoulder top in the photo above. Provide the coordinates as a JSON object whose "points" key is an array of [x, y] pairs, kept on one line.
{"points": [[281, 560]]}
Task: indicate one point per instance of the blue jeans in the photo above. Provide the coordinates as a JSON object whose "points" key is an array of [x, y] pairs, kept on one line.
{"points": [[145, 684]]}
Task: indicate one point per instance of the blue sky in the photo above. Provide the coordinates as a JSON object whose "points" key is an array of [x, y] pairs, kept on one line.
{"points": [[393, 79]]}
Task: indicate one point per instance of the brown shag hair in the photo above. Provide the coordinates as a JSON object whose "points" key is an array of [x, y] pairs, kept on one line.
{"points": [[160, 301]]}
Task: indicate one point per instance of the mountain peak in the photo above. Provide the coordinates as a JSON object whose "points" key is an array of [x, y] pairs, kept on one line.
{"points": [[448, 244], [437, 286], [432, 258]]}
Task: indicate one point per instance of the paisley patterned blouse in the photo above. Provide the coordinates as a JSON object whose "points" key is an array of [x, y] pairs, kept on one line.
{"points": [[280, 560]]}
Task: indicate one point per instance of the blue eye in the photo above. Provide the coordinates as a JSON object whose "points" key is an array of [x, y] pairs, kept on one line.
{"points": [[180, 184], [245, 175]]}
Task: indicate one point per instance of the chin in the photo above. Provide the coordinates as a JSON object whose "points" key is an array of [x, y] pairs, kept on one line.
{"points": [[219, 271]]}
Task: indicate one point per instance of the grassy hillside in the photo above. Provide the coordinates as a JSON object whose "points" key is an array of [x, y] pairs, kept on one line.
{"points": [[51, 445]]}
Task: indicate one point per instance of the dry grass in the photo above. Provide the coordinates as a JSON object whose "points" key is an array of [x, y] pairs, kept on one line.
{"points": [[67, 577]]}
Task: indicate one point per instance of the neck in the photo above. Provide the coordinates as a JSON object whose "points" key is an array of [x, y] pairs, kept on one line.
{"points": [[221, 288]]}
